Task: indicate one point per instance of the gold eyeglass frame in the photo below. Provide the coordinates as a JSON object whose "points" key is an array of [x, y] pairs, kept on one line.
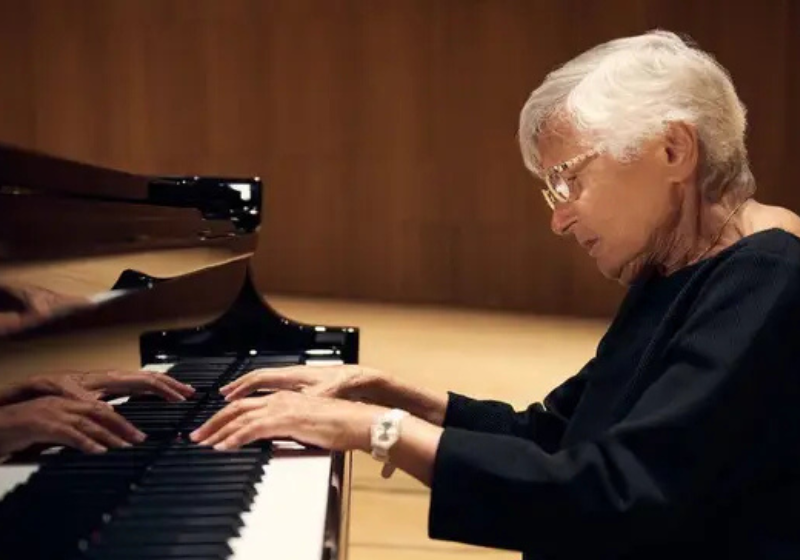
{"points": [[556, 189]]}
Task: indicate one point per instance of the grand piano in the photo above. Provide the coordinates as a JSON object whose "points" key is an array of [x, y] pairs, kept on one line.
{"points": [[89, 254]]}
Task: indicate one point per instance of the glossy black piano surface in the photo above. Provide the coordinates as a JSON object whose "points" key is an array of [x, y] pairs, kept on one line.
{"points": [[85, 250]]}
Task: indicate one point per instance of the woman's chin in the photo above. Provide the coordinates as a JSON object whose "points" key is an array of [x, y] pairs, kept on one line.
{"points": [[623, 273]]}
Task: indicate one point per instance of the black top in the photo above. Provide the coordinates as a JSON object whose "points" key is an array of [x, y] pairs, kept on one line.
{"points": [[679, 439]]}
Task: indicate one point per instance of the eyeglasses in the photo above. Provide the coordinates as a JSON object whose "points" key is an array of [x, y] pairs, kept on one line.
{"points": [[556, 188]]}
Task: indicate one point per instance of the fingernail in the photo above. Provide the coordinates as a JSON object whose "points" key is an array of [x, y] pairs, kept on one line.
{"points": [[221, 446], [141, 436], [193, 436], [127, 444], [100, 449]]}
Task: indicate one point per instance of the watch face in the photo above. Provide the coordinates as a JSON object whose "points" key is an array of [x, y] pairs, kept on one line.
{"points": [[389, 433], [385, 431]]}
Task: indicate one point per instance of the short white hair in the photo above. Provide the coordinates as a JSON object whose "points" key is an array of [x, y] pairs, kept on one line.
{"points": [[627, 90]]}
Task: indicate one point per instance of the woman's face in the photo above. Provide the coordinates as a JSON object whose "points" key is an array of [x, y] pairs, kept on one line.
{"points": [[620, 213]]}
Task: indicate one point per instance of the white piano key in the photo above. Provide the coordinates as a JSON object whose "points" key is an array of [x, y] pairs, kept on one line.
{"points": [[322, 362], [12, 476], [319, 352], [158, 368], [287, 517]]}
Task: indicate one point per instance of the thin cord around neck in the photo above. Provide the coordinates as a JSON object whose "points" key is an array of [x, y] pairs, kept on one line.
{"points": [[721, 229]]}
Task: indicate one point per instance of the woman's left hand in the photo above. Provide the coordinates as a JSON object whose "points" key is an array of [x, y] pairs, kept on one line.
{"points": [[324, 422]]}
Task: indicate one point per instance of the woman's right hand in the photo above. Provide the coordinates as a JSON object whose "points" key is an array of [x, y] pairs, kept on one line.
{"points": [[92, 427], [349, 382]]}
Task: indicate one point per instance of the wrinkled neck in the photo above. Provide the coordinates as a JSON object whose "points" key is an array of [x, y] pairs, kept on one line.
{"points": [[701, 230]]}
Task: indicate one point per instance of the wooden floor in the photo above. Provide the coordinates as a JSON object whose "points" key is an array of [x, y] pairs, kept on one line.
{"points": [[514, 358]]}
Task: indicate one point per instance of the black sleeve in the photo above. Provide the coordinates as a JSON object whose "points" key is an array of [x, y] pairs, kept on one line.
{"points": [[720, 413], [543, 423]]}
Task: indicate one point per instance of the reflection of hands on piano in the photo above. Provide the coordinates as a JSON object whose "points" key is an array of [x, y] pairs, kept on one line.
{"points": [[95, 384], [349, 382], [115, 383], [334, 424], [92, 427], [25, 306]]}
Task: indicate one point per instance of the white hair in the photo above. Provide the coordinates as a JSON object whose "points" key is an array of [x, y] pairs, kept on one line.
{"points": [[622, 92]]}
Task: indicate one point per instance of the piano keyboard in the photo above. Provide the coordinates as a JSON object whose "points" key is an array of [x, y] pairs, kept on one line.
{"points": [[167, 497]]}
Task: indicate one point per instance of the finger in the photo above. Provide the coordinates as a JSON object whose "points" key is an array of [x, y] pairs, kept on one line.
{"points": [[244, 390], [285, 378], [181, 388], [236, 382], [221, 418], [71, 437], [250, 379], [148, 383], [250, 432], [98, 433], [108, 417], [164, 389], [229, 428]]}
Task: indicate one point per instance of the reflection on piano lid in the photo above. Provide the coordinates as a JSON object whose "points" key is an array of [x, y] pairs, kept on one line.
{"points": [[86, 250]]}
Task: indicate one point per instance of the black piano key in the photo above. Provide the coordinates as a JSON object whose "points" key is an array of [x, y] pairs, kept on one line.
{"points": [[134, 518], [199, 491], [175, 408], [187, 481], [188, 524], [238, 499], [156, 511], [208, 460], [111, 457], [236, 496], [123, 539], [108, 470], [265, 361], [182, 551], [199, 469], [198, 451], [191, 557], [188, 363]]}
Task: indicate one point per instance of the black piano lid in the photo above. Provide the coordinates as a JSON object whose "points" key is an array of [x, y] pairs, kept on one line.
{"points": [[87, 247]]}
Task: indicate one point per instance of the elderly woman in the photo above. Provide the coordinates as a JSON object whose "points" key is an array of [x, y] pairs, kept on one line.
{"points": [[679, 438]]}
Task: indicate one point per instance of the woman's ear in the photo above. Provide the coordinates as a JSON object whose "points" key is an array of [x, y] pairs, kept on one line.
{"points": [[681, 150]]}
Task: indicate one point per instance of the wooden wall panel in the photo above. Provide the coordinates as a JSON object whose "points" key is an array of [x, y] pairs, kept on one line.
{"points": [[385, 131]]}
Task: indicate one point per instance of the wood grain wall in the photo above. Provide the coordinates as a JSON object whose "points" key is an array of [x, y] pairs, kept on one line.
{"points": [[385, 130]]}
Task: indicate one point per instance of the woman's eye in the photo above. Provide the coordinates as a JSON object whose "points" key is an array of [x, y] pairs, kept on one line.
{"points": [[562, 189], [573, 184]]}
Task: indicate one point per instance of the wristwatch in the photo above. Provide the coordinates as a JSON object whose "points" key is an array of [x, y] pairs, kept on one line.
{"points": [[384, 433]]}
